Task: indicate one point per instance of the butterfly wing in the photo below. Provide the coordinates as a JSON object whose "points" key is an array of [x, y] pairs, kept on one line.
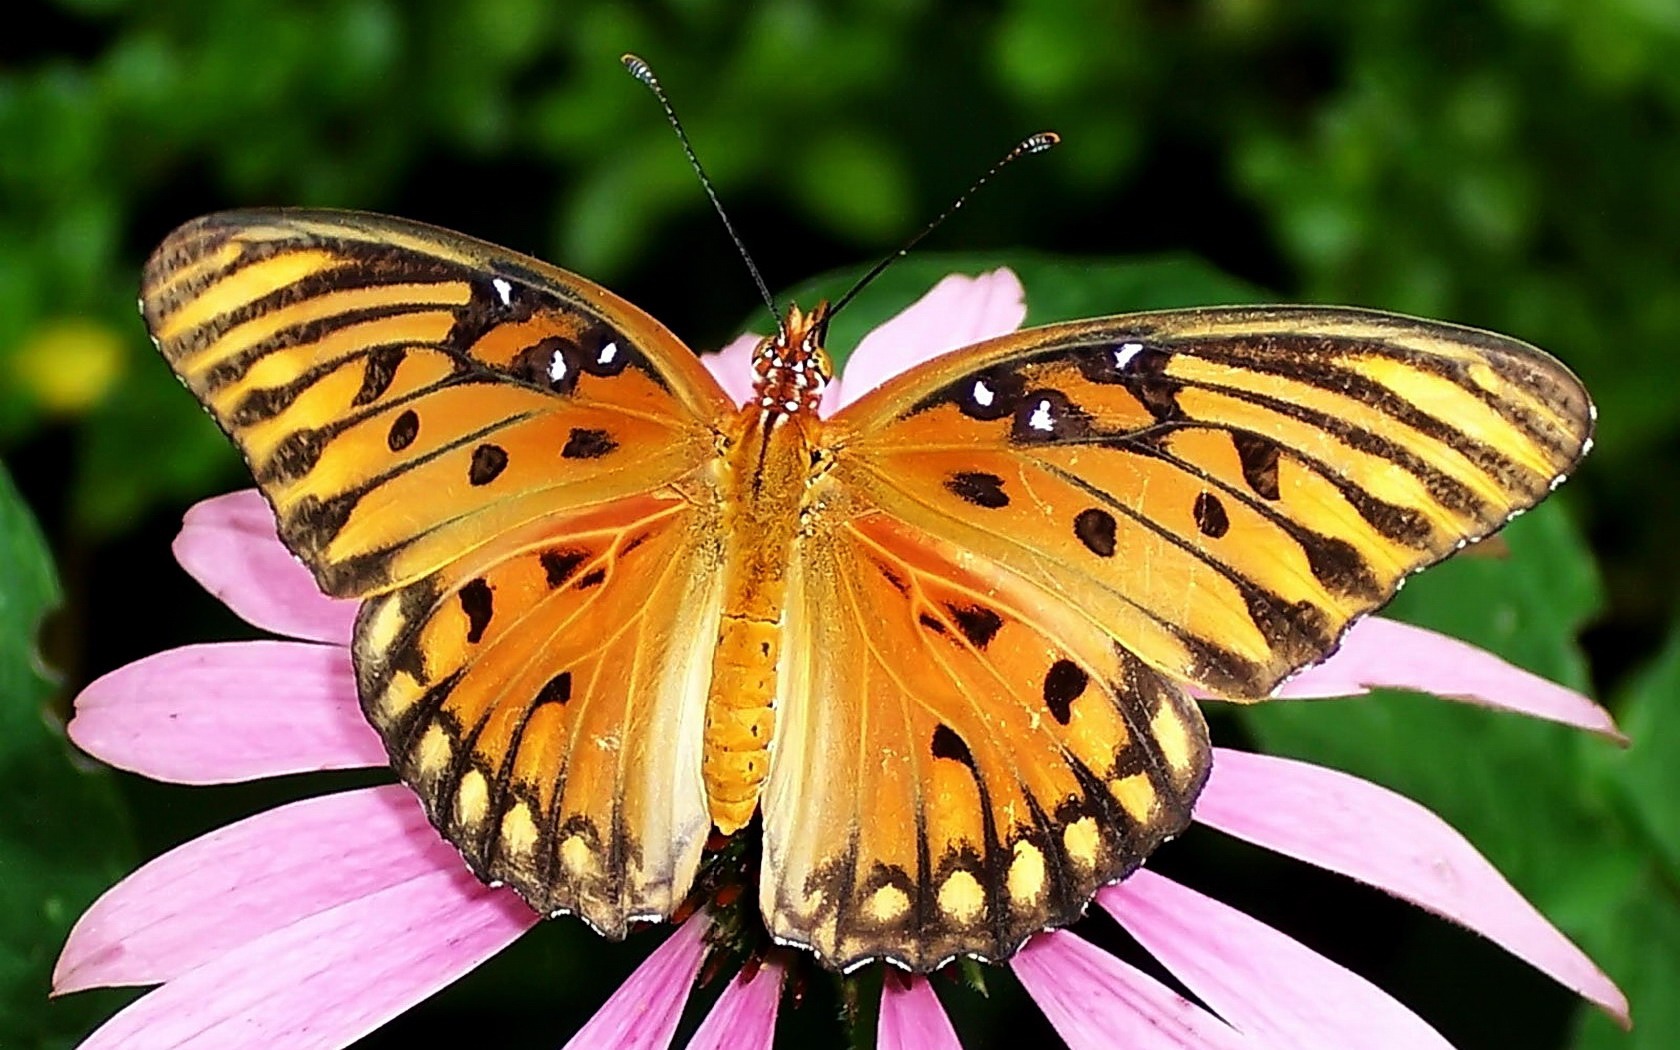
{"points": [[404, 394], [1018, 551], [510, 462], [1223, 490], [961, 759]]}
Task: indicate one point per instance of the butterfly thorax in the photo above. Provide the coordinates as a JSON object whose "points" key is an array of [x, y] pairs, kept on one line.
{"points": [[766, 469]]}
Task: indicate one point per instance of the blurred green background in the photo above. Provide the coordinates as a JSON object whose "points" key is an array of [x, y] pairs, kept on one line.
{"points": [[1511, 164]]}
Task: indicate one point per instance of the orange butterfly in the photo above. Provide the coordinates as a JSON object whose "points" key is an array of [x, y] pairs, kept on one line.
{"points": [[937, 643]]}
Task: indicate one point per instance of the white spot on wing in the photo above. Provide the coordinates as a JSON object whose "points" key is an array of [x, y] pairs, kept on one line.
{"points": [[1124, 355], [1041, 418], [503, 289], [557, 367], [609, 353], [983, 394]]}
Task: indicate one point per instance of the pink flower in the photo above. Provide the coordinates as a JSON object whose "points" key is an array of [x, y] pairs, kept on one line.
{"points": [[310, 925]]}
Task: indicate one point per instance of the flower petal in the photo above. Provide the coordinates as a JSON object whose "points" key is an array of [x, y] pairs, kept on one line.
{"points": [[1386, 840], [643, 1013], [1274, 990], [326, 980], [744, 1017], [1095, 1000], [229, 545], [911, 1017], [211, 714], [247, 880], [956, 312], [732, 367], [1379, 654]]}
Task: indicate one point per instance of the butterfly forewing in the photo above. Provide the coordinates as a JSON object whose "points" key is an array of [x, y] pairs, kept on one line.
{"points": [[404, 394], [1223, 490]]}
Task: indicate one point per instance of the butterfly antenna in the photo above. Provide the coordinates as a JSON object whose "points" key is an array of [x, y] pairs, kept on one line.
{"points": [[639, 69], [1026, 147]]}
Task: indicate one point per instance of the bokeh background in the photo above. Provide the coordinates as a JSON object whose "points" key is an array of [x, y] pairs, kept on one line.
{"points": [[1511, 164]]}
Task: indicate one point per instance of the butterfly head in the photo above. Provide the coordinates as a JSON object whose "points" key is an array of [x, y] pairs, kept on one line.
{"points": [[791, 368]]}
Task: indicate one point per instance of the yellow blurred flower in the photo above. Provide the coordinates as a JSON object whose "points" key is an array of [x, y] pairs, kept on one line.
{"points": [[68, 365]]}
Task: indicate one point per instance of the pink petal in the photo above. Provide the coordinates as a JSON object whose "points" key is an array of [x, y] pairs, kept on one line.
{"points": [[911, 1017], [229, 545], [1095, 1000], [1274, 990], [732, 367], [1378, 653], [643, 1013], [243, 882], [326, 980], [744, 1017], [956, 312], [211, 714], [1369, 833]]}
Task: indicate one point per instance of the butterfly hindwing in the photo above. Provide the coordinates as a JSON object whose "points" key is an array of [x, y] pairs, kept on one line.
{"points": [[404, 394], [1224, 490], [960, 760], [548, 706]]}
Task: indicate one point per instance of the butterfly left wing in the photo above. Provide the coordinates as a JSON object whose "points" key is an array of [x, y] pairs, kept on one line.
{"points": [[1223, 490], [512, 465], [960, 759]]}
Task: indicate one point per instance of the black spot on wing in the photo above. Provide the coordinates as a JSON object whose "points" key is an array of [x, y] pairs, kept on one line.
{"points": [[478, 605], [378, 373], [1048, 416], [1095, 528], [1259, 459], [587, 443], [559, 564], [947, 744], [404, 429], [1210, 515], [488, 462], [557, 690], [976, 622], [1063, 684], [553, 363], [978, 488], [592, 578]]}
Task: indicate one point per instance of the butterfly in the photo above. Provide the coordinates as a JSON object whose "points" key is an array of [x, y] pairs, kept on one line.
{"points": [[933, 652]]}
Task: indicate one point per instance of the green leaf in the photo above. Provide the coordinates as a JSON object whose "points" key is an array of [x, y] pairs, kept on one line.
{"points": [[1640, 947], [1650, 772], [64, 834]]}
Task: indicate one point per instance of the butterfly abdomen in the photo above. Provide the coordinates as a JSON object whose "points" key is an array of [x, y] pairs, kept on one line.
{"points": [[767, 466]]}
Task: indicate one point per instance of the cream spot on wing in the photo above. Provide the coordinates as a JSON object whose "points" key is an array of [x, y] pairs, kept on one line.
{"points": [[381, 621], [961, 897], [519, 830], [1081, 839], [887, 904], [1170, 736], [1136, 796], [396, 700], [472, 799], [434, 750], [1026, 872], [576, 855]]}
